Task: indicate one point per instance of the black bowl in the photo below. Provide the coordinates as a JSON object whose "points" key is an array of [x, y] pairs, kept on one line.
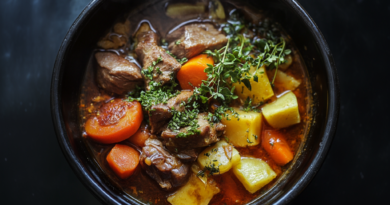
{"points": [[99, 15]]}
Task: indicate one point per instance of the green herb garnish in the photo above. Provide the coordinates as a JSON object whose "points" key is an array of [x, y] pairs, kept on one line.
{"points": [[187, 118]]}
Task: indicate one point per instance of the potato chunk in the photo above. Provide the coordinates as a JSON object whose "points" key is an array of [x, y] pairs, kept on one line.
{"points": [[245, 130], [260, 91], [216, 10], [285, 81], [253, 173], [283, 112], [194, 193], [222, 156], [184, 9], [287, 64]]}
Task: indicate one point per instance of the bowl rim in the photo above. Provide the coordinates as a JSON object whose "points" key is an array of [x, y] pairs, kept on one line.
{"points": [[299, 186]]}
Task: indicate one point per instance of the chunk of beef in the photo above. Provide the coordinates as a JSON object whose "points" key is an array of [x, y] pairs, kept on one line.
{"points": [[160, 114], [208, 134], [162, 166], [149, 52], [187, 155], [118, 37], [190, 40], [116, 74]]}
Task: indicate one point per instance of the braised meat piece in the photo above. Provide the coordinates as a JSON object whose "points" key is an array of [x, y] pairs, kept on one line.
{"points": [[162, 166], [187, 155], [208, 134], [159, 67], [190, 40], [116, 74], [160, 114]]}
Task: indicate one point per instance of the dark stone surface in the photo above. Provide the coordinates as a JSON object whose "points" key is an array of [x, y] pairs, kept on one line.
{"points": [[34, 171]]}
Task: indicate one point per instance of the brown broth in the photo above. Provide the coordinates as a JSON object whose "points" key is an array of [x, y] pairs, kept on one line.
{"points": [[144, 188]]}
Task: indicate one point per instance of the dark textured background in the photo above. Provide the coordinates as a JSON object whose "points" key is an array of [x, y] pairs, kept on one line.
{"points": [[34, 171]]}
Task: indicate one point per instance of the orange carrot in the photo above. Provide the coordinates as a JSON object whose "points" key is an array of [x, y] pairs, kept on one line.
{"points": [[140, 136], [115, 121], [193, 71], [123, 160], [274, 143]]}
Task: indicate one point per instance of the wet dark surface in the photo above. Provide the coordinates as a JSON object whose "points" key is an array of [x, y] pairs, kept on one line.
{"points": [[34, 171]]}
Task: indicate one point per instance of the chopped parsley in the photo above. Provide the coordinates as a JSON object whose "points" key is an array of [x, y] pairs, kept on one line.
{"points": [[210, 168], [248, 106], [153, 97], [148, 72], [181, 61], [187, 118]]}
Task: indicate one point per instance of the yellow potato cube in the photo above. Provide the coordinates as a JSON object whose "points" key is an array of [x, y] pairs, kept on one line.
{"points": [[285, 81], [253, 173], [222, 156], [184, 9], [217, 11], [244, 130], [283, 112], [194, 193], [289, 60], [260, 91]]}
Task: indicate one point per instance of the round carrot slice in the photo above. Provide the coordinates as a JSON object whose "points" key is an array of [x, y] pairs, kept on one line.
{"points": [[123, 160], [115, 121]]}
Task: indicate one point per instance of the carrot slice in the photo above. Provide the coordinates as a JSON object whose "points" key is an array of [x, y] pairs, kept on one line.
{"points": [[116, 121], [123, 160], [274, 143], [193, 71], [140, 136]]}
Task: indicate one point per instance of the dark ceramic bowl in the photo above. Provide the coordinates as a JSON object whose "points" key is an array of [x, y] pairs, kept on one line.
{"points": [[99, 15]]}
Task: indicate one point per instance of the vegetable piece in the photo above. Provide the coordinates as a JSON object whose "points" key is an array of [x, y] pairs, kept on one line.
{"points": [[283, 112], [277, 147], [193, 71], [140, 136], [115, 122], [286, 82], [245, 130], [253, 173], [184, 9], [260, 90], [199, 173], [214, 159], [194, 192], [216, 10], [287, 64], [123, 160]]}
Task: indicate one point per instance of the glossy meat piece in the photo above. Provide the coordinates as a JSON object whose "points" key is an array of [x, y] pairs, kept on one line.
{"points": [[191, 40], [148, 52], [208, 134], [162, 166], [187, 155], [160, 114], [116, 74]]}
